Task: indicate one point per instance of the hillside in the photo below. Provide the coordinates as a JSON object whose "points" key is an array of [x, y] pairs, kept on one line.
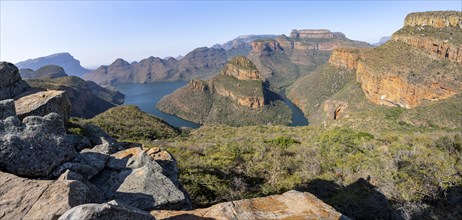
{"points": [[285, 59], [65, 60], [237, 96], [87, 98], [418, 70], [48, 71]]}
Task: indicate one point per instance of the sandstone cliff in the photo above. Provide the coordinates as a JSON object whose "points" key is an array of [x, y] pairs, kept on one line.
{"points": [[285, 59], [237, 96], [422, 62]]}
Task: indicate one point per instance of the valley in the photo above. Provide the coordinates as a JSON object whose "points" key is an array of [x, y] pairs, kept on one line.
{"points": [[308, 125]]}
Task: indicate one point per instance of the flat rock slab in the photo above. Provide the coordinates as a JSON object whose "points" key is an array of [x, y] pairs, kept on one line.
{"points": [[43, 103], [289, 205]]}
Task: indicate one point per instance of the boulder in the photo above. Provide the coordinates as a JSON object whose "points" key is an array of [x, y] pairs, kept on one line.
{"points": [[135, 177], [110, 210], [11, 84], [104, 143], [43, 103], [85, 164], [7, 109], [289, 205], [35, 146], [22, 198]]}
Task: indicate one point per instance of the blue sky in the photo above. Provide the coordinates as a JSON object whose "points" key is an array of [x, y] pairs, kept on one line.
{"points": [[98, 32]]}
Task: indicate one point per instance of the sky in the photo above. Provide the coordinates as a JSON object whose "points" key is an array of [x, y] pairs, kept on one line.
{"points": [[99, 32]]}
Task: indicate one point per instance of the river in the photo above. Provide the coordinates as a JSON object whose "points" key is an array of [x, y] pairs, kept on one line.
{"points": [[146, 96]]}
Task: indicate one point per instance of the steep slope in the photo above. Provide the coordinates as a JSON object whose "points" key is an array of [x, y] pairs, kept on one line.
{"points": [[65, 60], [48, 71], [285, 59], [236, 96], [418, 67], [86, 97]]}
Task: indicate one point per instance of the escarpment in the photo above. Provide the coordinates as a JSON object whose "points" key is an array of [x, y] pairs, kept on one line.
{"points": [[422, 62], [236, 96]]}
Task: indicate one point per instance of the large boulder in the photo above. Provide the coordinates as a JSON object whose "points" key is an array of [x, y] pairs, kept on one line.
{"points": [[35, 146], [289, 205], [143, 178], [11, 84], [43, 103], [7, 109], [110, 210], [22, 198]]}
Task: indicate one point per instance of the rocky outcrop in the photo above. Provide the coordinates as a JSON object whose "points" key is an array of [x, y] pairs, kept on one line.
{"points": [[266, 47], [289, 205], [39, 199], [111, 209], [11, 84], [143, 178], [237, 96], [43, 103], [345, 58], [35, 146], [422, 62], [437, 19], [241, 68], [439, 48], [335, 109]]}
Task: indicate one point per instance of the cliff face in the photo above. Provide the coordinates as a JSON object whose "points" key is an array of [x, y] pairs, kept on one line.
{"points": [[64, 60], [237, 96], [285, 59], [422, 62], [437, 19]]}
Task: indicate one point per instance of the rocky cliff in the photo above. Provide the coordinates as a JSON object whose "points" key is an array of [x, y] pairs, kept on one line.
{"points": [[237, 96], [422, 62], [285, 59]]}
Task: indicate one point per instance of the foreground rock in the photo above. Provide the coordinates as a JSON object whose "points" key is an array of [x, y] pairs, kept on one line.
{"points": [[11, 84], [34, 146], [43, 103], [22, 198], [143, 178], [110, 210], [289, 205]]}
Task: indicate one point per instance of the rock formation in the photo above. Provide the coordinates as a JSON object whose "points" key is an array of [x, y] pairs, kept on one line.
{"points": [[423, 62], [110, 209], [236, 96], [283, 60], [39, 199], [64, 60], [11, 84], [289, 205], [43, 103]]}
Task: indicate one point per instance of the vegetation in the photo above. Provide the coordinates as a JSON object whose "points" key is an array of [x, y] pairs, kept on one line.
{"points": [[129, 123]]}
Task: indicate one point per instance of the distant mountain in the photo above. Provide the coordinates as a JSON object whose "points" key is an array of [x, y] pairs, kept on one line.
{"points": [[65, 60], [382, 41], [200, 62], [48, 71]]}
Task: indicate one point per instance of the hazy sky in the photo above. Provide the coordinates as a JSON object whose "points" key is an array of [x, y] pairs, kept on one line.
{"points": [[98, 32]]}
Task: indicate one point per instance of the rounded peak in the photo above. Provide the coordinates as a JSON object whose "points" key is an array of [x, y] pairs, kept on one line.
{"points": [[241, 68]]}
